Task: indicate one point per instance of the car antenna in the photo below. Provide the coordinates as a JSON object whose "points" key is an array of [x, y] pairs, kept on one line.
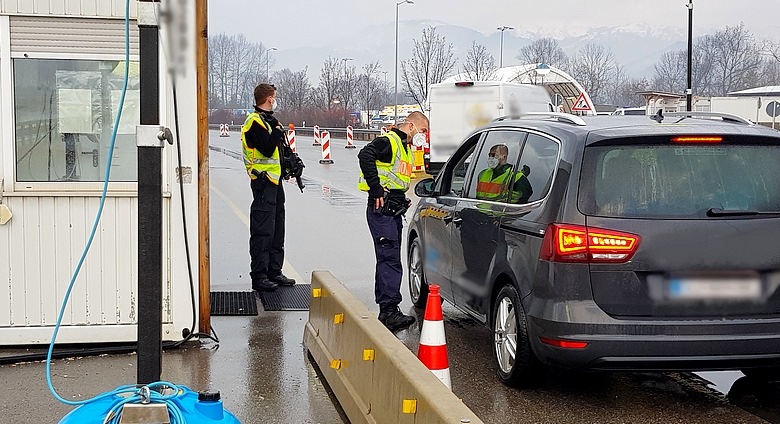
{"points": [[658, 117]]}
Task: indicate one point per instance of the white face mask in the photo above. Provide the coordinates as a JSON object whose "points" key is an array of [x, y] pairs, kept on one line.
{"points": [[274, 105], [418, 140], [492, 162]]}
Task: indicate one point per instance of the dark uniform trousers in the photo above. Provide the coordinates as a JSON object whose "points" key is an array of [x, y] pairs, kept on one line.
{"points": [[386, 234], [266, 229]]}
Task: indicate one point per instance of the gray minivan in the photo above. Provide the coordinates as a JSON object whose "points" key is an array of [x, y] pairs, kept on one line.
{"points": [[638, 243]]}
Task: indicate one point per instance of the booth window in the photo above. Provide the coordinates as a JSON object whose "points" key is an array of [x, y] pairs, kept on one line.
{"points": [[65, 112]]}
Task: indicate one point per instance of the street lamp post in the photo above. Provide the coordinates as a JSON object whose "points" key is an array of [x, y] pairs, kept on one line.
{"points": [[395, 64], [268, 63], [689, 90], [501, 52]]}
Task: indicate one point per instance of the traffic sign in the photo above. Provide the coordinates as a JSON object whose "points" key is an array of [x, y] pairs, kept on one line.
{"points": [[581, 104], [773, 109]]}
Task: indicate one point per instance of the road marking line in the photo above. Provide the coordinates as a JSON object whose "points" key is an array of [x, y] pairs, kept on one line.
{"points": [[236, 210]]}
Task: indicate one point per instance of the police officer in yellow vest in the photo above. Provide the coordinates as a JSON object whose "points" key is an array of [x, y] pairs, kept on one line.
{"points": [[386, 169], [261, 137], [498, 173]]}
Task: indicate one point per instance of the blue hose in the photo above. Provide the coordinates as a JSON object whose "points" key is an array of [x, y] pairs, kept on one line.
{"points": [[123, 394]]}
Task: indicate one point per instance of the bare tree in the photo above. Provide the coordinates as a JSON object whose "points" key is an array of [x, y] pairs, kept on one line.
{"points": [[221, 52], [670, 72], [543, 50], [432, 59], [293, 89], [327, 90], [480, 65], [369, 88], [347, 87], [593, 67], [736, 56]]}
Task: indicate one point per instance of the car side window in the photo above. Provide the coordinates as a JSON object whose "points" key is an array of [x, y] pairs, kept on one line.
{"points": [[454, 181], [534, 170], [494, 170]]}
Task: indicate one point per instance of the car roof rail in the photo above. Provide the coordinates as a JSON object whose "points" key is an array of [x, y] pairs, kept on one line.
{"points": [[730, 117], [559, 116]]}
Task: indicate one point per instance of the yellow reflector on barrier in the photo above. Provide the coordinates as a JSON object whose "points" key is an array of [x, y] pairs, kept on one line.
{"points": [[368, 354], [315, 293], [409, 406], [335, 364], [338, 318]]}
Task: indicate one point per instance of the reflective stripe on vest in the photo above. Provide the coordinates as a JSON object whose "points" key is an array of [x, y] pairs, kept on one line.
{"points": [[253, 159], [396, 175], [490, 188]]}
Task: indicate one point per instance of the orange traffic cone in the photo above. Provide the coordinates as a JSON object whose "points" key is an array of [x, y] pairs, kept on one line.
{"points": [[433, 345]]}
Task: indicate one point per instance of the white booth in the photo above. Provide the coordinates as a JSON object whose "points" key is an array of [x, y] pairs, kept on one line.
{"points": [[61, 75]]}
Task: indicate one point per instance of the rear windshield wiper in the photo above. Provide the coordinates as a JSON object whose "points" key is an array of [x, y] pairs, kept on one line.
{"points": [[737, 212]]}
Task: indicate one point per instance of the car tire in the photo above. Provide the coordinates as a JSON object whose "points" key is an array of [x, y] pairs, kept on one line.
{"points": [[764, 374], [418, 287], [516, 363]]}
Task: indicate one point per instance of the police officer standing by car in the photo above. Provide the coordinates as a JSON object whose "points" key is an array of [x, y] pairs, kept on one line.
{"points": [[263, 142], [386, 169]]}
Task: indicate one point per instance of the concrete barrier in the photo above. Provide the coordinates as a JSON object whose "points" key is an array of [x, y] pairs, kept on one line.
{"points": [[373, 375]]}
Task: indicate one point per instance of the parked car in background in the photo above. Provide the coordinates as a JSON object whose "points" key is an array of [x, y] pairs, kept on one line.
{"points": [[640, 245]]}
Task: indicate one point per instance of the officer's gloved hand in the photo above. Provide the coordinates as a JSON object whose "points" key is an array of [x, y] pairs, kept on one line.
{"points": [[376, 192]]}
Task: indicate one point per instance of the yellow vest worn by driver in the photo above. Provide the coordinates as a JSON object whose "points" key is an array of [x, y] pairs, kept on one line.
{"points": [[396, 175], [253, 159]]}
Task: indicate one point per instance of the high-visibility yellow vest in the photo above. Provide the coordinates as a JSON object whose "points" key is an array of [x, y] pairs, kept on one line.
{"points": [[253, 159], [516, 195], [396, 175], [489, 186]]}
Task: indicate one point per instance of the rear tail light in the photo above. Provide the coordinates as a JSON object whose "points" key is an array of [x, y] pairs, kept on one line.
{"points": [[698, 139], [566, 344], [576, 243], [464, 84]]}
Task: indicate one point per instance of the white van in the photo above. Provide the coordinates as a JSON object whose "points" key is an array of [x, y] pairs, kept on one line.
{"points": [[455, 109], [630, 111]]}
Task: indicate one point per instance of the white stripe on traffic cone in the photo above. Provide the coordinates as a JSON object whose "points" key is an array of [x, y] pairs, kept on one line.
{"points": [[224, 130], [433, 345]]}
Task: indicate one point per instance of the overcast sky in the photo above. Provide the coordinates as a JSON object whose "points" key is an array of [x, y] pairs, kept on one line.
{"points": [[288, 24]]}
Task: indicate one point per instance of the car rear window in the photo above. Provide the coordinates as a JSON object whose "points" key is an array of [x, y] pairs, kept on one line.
{"points": [[679, 181]]}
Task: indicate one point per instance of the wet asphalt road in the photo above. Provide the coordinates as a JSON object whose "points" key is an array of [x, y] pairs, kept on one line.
{"points": [[329, 232], [263, 372]]}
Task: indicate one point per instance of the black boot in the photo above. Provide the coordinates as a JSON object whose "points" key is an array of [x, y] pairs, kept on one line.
{"points": [[264, 284], [282, 280], [391, 316]]}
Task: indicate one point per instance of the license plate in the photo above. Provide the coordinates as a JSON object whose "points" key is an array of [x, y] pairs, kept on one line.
{"points": [[739, 288]]}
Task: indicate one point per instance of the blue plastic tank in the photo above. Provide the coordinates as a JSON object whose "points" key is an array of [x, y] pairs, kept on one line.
{"points": [[195, 407]]}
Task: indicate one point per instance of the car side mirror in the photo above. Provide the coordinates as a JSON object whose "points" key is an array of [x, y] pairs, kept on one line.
{"points": [[424, 188]]}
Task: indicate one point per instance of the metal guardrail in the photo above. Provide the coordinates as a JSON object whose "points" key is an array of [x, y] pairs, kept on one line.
{"points": [[357, 133]]}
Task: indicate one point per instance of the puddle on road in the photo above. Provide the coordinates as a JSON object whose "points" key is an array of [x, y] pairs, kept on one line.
{"points": [[331, 195], [334, 196]]}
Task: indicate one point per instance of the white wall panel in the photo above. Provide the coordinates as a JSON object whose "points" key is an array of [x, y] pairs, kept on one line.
{"points": [[46, 237], [100, 8]]}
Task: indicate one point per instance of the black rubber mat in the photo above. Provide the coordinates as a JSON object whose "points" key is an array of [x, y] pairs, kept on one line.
{"points": [[233, 303], [292, 298]]}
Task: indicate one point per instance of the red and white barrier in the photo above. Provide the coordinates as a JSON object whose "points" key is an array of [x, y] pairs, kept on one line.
{"points": [[316, 135], [224, 130], [433, 345], [383, 130], [291, 137], [326, 148], [350, 137]]}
